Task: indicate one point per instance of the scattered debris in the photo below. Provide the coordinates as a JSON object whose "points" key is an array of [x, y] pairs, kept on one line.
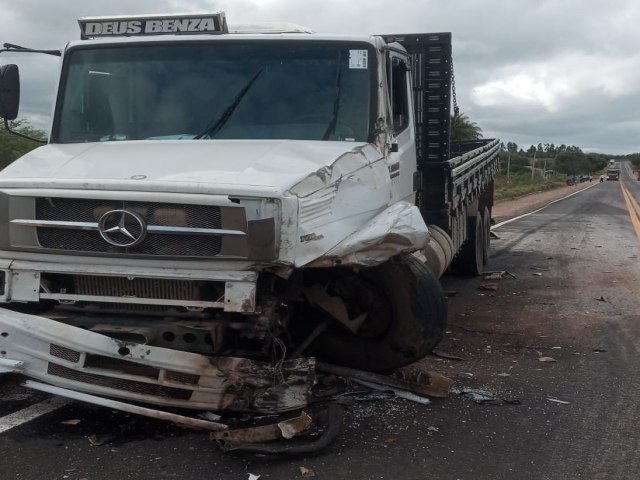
{"points": [[556, 400], [307, 472], [498, 275], [295, 426], [391, 440], [489, 286], [399, 393], [212, 417], [97, 441], [535, 267], [503, 374], [537, 274], [433, 429], [253, 477], [599, 350], [485, 397], [414, 379], [73, 421], [601, 299], [441, 354], [547, 359]]}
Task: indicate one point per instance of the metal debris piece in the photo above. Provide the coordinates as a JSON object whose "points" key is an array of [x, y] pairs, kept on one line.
{"points": [[292, 427], [498, 274], [477, 395], [546, 359], [485, 397], [399, 393], [73, 421], [307, 472], [412, 379], [601, 299], [264, 433], [253, 477], [492, 287], [537, 274], [556, 400]]}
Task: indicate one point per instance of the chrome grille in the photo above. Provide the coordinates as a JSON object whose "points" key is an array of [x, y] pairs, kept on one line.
{"points": [[153, 213]]}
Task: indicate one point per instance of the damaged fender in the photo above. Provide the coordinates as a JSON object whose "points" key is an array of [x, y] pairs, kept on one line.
{"points": [[398, 229]]}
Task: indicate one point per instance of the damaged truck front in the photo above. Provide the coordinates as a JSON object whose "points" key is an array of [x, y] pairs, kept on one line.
{"points": [[216, 207]]}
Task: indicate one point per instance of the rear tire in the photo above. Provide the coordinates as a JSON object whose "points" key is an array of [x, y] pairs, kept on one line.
{"points": [[486, 234], [404, 330], [470, 258]]}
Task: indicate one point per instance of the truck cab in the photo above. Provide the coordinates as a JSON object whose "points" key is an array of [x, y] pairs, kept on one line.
{"points": [[217, 202]]}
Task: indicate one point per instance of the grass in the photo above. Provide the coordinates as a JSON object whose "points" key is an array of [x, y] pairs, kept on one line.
{"points": [[521, 185]]}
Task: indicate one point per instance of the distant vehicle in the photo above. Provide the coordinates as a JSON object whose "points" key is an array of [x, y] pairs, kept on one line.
{"points": [[613, 174]]}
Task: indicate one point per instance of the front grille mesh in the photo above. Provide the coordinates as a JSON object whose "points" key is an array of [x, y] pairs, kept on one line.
{"points": [[154, 213], [136, 287], [118, 384], [64, 353]]}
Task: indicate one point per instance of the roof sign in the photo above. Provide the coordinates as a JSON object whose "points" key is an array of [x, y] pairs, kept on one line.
{"points": [[206, 23]]}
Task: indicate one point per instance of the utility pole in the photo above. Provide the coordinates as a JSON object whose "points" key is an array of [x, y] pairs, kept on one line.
{"points": [[533, 165]]}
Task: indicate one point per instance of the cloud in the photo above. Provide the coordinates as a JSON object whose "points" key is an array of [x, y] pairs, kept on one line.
{"points": [[562, 71]]}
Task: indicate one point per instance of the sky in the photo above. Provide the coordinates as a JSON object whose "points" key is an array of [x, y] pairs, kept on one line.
{"points": [[527, 71]]}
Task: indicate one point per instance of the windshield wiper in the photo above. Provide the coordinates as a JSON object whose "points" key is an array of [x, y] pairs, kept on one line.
{"points": [[336, 103], [215, 126]]}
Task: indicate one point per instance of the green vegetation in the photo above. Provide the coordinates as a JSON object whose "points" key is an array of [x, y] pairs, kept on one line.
{"points": [[12, 146], [544, 167], [464, 129], [634, 158]]}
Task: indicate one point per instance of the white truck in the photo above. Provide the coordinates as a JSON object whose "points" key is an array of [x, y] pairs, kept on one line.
{"points": [[218, 206]]}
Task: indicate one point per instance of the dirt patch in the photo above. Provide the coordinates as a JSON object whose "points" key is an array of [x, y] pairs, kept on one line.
{"points": [[506, 209]]}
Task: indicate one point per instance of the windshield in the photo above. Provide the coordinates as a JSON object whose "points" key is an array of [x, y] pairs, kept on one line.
{"points": [[308, 90]]}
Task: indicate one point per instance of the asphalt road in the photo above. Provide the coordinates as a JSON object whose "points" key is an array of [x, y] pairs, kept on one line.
{"points": [[570, 295]]}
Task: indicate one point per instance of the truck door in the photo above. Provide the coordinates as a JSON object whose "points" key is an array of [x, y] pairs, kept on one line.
{"points": [[402, 158]]}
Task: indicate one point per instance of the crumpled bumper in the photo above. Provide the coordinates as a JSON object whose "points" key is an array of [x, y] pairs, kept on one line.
{"points": [[80, 360]]}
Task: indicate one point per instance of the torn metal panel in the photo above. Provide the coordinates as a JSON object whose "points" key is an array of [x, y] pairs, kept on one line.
{"points": [[85, 361], [399, 228]]}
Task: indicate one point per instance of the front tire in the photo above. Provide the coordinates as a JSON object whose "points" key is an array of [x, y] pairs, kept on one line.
{"points": [[406, 321]]}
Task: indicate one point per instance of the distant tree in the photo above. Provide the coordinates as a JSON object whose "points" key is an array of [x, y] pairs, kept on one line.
{"points": [[575, 162], [634, 158], [462, 128], [12, 146], [512, 147], [531, 150]]}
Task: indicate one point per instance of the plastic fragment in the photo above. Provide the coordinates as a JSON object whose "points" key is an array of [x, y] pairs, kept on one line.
{"points": [[556, 400]]}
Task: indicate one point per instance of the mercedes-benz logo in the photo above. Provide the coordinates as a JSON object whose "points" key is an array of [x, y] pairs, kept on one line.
{"points": [[122, 228]]}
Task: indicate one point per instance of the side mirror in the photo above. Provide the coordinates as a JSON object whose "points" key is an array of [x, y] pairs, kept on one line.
{"points": [[9, 91]]}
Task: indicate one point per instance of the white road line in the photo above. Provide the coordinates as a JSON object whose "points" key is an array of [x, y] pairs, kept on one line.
{"points": [[541, 208], [31, 413]]}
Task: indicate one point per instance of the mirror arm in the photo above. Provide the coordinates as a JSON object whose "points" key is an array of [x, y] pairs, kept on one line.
{"points": [[10, 47], [8, 128]]}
